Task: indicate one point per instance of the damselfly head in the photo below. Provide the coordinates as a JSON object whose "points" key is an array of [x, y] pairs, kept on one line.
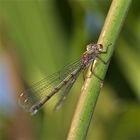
{"points": [[95, 47]]}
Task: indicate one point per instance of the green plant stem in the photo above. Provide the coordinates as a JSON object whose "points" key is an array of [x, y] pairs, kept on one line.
{"points": [[92, 86]]}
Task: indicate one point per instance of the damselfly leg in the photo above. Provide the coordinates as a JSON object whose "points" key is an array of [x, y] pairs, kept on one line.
{"points": [[102, 50]]}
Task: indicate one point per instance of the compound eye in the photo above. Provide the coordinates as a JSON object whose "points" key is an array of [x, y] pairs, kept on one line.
{"points": [[100, 47], [89, 47]]}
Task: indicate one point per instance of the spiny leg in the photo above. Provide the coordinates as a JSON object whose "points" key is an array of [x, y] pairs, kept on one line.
{"points": [[104, 51], [92, 72], [104, 62]]}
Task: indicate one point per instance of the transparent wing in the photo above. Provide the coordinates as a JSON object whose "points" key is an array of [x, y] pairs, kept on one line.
{"points": [[38, 91]]}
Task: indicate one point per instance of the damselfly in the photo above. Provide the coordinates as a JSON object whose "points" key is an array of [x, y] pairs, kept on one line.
{"points": [[49, 86]]}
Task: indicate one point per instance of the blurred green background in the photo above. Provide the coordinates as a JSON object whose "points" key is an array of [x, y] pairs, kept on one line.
{"points": [[37, 38]]}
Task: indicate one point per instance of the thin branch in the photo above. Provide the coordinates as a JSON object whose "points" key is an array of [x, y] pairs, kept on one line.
{"points": [[92, 86]]}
